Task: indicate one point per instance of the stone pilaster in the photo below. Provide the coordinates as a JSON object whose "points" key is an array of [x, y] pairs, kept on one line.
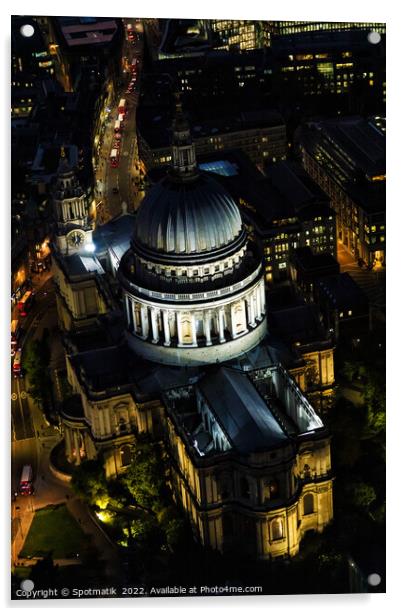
{"points": [[207, 327], [166, 330], [222, 338], [154, 325]]}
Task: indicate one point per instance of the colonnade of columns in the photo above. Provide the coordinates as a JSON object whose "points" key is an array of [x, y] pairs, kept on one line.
{"points": [[191, 327], [74, 445]]}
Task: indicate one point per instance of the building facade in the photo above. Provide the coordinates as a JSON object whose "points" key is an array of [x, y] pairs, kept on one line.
{"points": [[184, 358], [261, 500], [346, 158]]}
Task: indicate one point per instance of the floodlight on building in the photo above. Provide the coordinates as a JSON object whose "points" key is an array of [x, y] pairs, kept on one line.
{"points": [[90, 247]]}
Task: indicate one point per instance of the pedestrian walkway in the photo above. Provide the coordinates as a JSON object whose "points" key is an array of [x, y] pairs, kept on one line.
{"points": [[372, 282]]}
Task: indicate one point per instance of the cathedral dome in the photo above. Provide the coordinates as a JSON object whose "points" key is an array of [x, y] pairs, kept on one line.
{"points": [[188, 218]]}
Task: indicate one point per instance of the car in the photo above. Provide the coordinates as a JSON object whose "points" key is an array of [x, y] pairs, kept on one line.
{"points": [[115, 190]]}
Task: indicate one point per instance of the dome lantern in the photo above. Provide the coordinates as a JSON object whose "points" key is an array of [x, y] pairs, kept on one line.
{"points": [[183, 149]]}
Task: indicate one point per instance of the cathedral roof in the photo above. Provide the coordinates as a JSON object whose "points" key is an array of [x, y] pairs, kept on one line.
{"points": [[242, 413], [197, 216]]}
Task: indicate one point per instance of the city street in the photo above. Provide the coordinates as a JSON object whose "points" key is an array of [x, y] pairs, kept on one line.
{"points": [[117, 188], [32, 437]]}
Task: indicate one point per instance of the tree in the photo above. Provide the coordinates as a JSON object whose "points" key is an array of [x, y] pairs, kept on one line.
{"points": [[36, 364], [89, 483], [144, 478], [362, 495], [374, 396]]}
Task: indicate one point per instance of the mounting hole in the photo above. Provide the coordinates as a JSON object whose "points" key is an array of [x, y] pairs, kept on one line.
{"points": [[374, 579], [374, 37], [27, 30], [27, 585]]}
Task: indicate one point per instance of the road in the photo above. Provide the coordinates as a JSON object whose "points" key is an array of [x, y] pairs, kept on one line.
{"points": [[30, 432], [32, 437], [118, 188]]}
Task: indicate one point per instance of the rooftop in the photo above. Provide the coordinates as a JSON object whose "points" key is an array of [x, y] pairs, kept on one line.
{"points": [[106, 368], [298, 324], [77, 31], [78, 265], [352, 151], [155, 121], [241, 412], [114, 237], [308, 262], [293, 182], [324, 40], [342, 290]]}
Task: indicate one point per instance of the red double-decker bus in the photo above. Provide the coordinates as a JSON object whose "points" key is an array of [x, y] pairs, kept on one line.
{"points": [[26, 487], [17, 366], [130, 32], [114, 158], [15, 335], [122, 106], [25, 303]]}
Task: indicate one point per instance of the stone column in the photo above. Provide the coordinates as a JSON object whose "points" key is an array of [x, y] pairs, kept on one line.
{"points": [[221, 326], [207, 327], [166, 330], [194, 329], [107, 422], [250, 311], [130, 315], [154, 324], [144, 322], [77, 448], [232, 319], [258, 303], [262, 295], [179, 333]]}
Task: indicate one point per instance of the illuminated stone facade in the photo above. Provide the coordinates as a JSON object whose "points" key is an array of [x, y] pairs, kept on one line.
{"points": [[248, 457], [260, 501], [193, 282]]}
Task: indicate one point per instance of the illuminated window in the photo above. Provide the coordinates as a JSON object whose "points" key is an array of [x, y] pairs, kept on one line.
{"points": [[341, 315], [349, 313], [373, 228]]}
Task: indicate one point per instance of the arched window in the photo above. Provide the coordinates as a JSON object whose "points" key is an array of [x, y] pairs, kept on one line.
{"points": [[307, 471], [125, 455], [308, 504], [277, 529]]}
